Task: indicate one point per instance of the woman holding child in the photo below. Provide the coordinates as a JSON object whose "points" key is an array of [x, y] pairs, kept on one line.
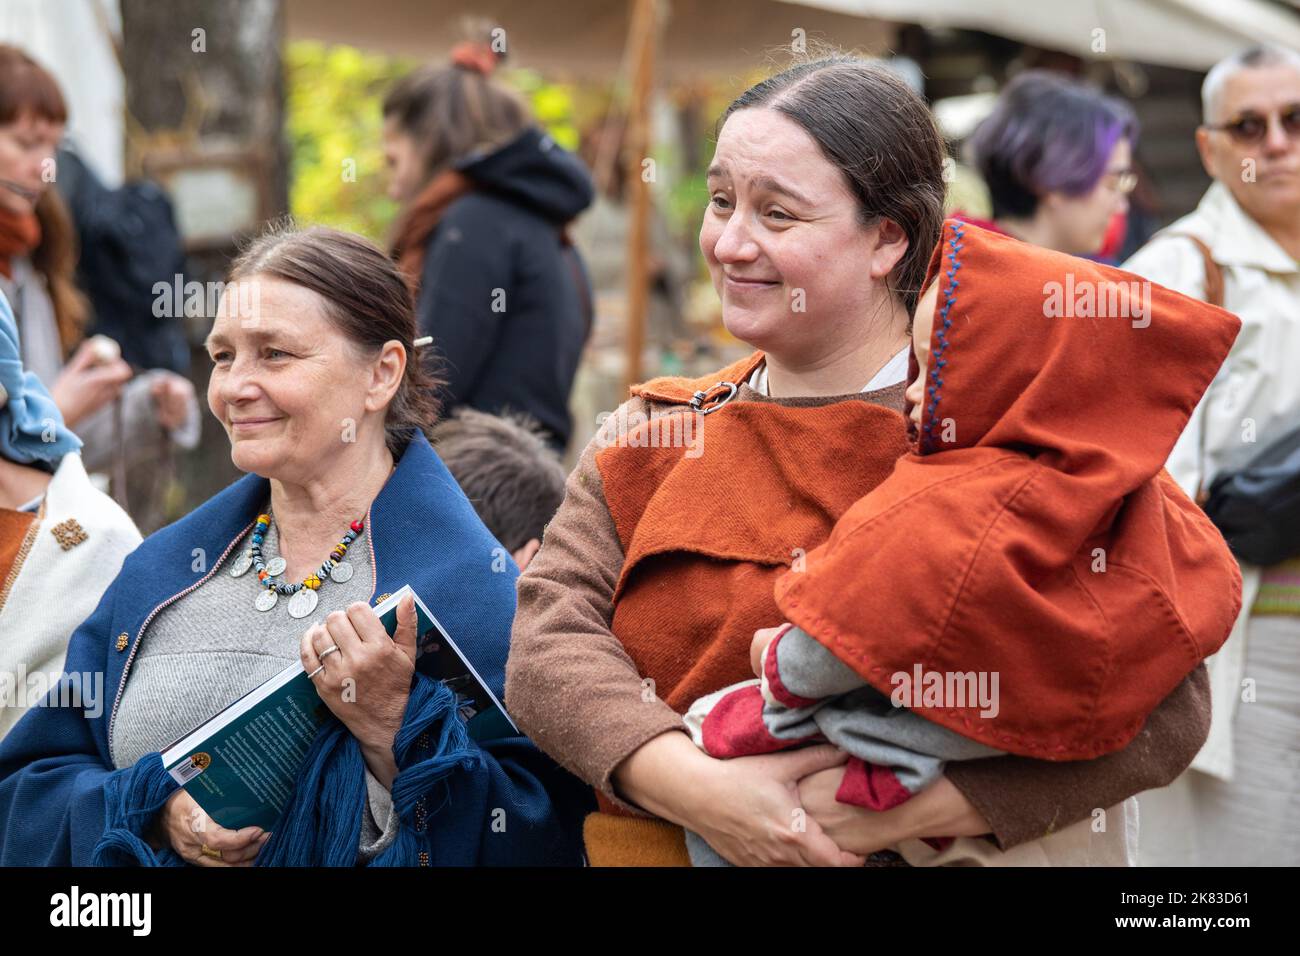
{"points": [[826, 201]]}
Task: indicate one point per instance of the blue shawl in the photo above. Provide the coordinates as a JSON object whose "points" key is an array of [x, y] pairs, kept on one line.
{"points": [[460, 803], [31, 425]]}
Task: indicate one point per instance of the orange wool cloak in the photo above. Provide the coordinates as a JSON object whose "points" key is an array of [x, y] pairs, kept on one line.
{"points": [[1032, 531]]}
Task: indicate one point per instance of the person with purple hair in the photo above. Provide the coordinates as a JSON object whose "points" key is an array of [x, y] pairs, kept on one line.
{"points": [[1056, 156]]}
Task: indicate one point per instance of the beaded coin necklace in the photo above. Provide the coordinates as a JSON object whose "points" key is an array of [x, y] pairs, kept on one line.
{"points": [[302, 596]]}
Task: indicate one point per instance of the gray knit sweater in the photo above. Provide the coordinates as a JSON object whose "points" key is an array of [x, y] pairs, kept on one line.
{"points": [[213, 646]]}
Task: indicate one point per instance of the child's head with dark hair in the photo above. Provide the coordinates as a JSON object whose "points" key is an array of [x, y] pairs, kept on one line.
{"points": [[508, 472], [1052, 139]]}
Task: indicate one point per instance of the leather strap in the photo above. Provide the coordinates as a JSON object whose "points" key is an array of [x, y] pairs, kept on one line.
{"points": [[1213, 271], [570, 252], [1214, 296]]}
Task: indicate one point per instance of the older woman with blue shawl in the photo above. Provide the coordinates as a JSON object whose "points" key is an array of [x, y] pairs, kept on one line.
{"points": [[345, 502]]}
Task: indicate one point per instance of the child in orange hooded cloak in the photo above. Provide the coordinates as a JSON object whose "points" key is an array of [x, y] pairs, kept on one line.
{"points": [[1030, 541]]}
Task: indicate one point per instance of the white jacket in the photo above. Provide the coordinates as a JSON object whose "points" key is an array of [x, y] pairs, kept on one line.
{"points": [[1253, 400], [50, 590]]}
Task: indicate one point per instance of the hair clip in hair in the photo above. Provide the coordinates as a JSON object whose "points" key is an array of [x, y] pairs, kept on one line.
{"points": [[478, 57]]}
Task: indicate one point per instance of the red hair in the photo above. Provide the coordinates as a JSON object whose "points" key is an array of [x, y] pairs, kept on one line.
{"points": [[28, 89]]}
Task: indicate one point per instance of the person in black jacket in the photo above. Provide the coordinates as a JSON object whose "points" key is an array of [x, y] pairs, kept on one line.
{"points": [[483, 240]]}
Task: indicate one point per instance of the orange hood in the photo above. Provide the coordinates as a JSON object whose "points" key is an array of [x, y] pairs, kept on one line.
{"points": [[1032, 533]]}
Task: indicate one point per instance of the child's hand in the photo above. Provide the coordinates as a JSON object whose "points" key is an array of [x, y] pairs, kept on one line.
{"points": [[758, 646]]}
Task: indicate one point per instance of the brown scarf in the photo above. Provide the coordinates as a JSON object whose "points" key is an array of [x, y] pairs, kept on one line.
{"points": [[20, 233], [411, 236]]}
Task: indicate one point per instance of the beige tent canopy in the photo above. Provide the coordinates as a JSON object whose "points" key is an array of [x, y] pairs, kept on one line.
{"points": [[1192, 34], [588, 38]]}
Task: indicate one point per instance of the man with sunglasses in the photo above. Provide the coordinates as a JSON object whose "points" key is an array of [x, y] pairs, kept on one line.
{"points": [[1239, 804]]}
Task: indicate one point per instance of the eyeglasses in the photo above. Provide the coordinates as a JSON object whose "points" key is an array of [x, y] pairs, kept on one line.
{"points": [[1123, 181], [1252, 128]]}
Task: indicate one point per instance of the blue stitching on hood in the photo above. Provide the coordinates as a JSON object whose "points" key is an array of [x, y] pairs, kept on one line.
{"points": [[938, 362]]}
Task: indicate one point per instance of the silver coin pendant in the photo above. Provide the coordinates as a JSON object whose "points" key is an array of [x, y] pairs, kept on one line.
{"points": [[341, 573], [241, 565], [275, 567], [303, 602], [266, 600]]}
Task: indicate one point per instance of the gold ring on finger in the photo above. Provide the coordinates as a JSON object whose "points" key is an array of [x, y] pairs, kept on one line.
{"points": [[209, 851]]}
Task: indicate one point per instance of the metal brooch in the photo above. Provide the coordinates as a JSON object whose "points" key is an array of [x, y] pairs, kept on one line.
{"points": [[699, 398]]}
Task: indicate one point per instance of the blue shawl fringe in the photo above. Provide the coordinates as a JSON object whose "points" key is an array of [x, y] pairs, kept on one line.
{"points": [[133, 797]]}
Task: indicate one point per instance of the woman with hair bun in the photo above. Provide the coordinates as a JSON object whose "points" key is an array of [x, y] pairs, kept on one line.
{"points": [[344, 501], [825, 203], [482, 237]]}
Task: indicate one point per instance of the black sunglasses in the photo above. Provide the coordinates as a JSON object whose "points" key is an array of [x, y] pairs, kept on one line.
{"points": [[1252, 128]]}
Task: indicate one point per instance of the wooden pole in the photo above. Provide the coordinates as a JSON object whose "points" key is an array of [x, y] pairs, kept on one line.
{"points": [[637, 149]]}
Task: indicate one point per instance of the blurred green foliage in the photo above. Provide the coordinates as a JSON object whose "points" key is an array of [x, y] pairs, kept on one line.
{"points": [[333, 95], [554, 104], [334, 125]]}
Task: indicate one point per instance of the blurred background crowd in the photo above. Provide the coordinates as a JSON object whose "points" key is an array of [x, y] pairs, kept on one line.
{"points": [[557, 154], [196, 123]]}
